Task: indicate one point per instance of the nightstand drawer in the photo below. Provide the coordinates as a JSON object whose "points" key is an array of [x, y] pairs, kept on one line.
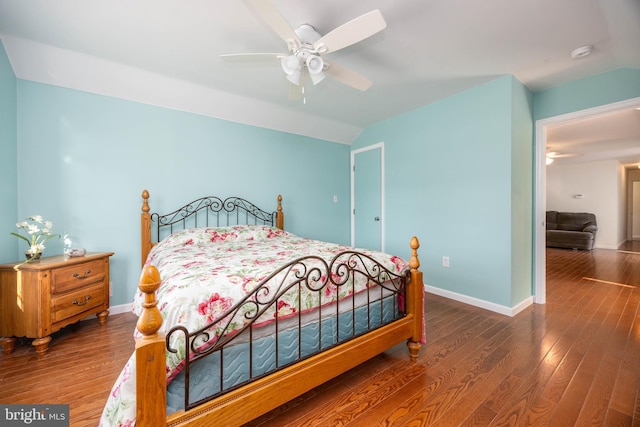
{"points": [[68, 305], [67, 278]]}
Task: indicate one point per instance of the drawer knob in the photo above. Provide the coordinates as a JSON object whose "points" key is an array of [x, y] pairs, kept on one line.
{"points": [[86, 300], [79, 277]]}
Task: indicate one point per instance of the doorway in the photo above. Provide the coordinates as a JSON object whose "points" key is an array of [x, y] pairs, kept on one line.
{"points": [[367, 197], [540, 180]]}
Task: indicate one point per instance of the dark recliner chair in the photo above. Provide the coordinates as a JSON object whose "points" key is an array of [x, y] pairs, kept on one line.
{"points": [[571, 230]]}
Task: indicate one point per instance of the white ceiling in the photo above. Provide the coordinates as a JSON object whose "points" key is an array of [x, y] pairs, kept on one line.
{"points": [[611, 135], [166, 52]]}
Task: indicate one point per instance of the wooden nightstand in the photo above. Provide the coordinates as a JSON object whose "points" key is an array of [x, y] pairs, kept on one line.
{"points": [[42, 297]]}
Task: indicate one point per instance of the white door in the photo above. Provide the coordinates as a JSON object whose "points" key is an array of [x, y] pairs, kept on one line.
{"points": [[367, 198]]}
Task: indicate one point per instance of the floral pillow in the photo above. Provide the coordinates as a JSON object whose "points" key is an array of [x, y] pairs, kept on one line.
{"points": [[208, 235]]}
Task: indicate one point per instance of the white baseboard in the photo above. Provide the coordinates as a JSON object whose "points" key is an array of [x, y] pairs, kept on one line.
{"points": [[606, 247], [497, 308], [114, 309], [119, 309]]}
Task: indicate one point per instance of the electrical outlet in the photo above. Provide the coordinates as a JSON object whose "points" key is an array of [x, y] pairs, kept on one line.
{"points": [[445, 261]]}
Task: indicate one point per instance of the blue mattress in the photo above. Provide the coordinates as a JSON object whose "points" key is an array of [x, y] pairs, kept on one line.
{"points": [[240, 363]]}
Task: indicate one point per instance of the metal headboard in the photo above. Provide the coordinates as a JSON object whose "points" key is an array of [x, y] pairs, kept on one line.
{"points": [[210, 211]]}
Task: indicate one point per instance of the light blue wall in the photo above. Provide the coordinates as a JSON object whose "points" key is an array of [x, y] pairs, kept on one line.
{"points": [[448, 181], [84, 160], [465, 187], [521, 193], [606, 88], [8, 150]]}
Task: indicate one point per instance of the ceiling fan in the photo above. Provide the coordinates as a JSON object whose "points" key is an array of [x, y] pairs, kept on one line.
{"points": [[552, 155], [306, 47]]}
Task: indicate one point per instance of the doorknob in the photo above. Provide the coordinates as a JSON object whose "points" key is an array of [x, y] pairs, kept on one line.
{"points": [[376, 218]]}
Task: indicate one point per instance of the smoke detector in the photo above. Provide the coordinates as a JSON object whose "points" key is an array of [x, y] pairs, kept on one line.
{"points": [[581, 52]]}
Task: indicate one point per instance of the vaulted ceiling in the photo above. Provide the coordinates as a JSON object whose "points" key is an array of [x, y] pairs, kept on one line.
{"points": [[167, 52]]}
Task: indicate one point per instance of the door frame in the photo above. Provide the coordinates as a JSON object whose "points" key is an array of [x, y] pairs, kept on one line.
{"points": [[540, 255], [631, 201], [378, 146]]}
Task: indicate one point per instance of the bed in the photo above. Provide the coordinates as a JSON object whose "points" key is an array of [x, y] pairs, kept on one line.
{"points": [[238, 316]]}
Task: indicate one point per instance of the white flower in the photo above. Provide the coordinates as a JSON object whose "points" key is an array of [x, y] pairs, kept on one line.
{"points": [[36, 236]]}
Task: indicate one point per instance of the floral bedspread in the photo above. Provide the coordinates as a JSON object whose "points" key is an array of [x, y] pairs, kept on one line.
{"points": [[205, 272]]}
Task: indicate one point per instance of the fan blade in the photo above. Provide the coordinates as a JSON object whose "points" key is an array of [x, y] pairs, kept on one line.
{"points": [[352, 32], [246, 57], [271, 16], [347, 76], [554, 155]]}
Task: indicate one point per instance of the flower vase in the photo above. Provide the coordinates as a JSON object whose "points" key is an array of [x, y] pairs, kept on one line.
{"points": [[32, 257]]}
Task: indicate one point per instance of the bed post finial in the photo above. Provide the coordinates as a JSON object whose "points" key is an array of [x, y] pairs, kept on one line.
{"points": [[280, 214], [415, 299], [414, 262], [151, 380], [145, 228], [145, 201], [150, 320]]}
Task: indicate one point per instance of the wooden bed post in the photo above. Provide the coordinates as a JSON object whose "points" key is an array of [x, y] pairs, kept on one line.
{"points": [[145, 224], [280, 214], [415, 300], [151, 379]]}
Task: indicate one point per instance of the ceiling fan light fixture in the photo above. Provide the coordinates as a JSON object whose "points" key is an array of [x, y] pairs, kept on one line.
{"points": [[290, 64], [315, 64], [548, 161], [295, 77]]}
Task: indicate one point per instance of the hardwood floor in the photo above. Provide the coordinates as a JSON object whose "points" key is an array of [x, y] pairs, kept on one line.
{"points": [[630, 245], [574, 361], [79, 369]]}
